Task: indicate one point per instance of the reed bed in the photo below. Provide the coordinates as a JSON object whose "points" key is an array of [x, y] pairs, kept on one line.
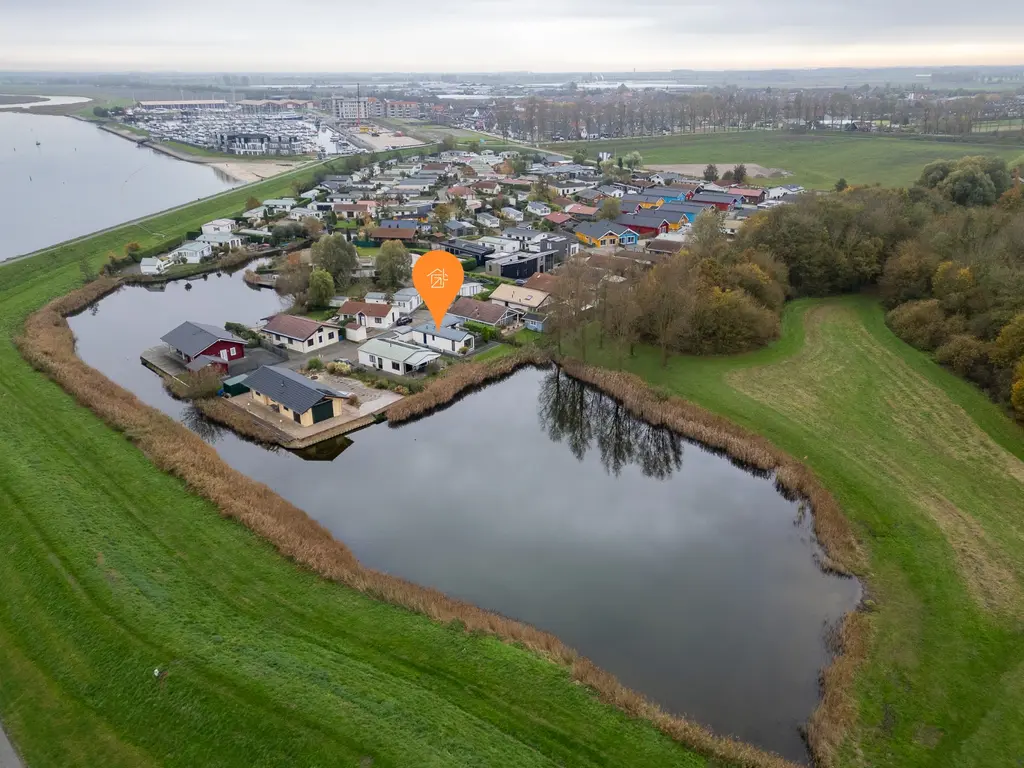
{"points": [[48, 345]]}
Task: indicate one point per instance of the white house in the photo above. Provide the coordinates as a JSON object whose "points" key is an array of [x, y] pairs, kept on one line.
{"points": [[501, 244], [370, 315], [512, 214], [525, 236], [488, 220], [537, 208], [299, 334], [471, 289], [569, 187], [218, 226], [255, 214], [774, 193], [405, 300], [155, 266], [447, 339], [518, 298], [395, 356], [191, 252], [279, 204], [218, 239], [298, 214]]}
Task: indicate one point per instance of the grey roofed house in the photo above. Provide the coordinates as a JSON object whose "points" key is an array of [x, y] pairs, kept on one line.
{"points": [[589, 194], [598, 229], [192, 338], [290, 389], [716, 197], [446, 331], [466, 309]]}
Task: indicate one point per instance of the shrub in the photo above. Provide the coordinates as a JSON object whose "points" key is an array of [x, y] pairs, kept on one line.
{"points": [[314, 364], [354, 401], [730, 321], [1017, 391], [398, 389], [967, 356], [920, 323], [198, 385]]}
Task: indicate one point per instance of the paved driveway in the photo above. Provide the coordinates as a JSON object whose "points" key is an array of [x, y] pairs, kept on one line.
{"points": [[8, 757]]}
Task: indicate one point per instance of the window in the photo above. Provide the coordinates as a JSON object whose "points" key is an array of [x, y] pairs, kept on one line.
{"points": [[330, 334], [376, 320], [297, 418], [234, 351], [372, 359], [309, 343], [396, 366], [277, 337], [320, 339]]}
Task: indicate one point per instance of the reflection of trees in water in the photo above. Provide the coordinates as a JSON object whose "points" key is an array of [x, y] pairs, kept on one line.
{"points": [[580, 415], [194, 419]]}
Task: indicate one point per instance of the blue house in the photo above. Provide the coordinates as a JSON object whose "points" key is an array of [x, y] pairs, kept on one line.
{"points": [[534, 321]]}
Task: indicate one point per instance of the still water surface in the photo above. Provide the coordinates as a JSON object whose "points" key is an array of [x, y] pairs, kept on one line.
{"points": [[79, 179], [538, 497]]}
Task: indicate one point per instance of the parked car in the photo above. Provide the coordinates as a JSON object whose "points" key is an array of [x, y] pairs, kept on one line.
{"points": [[520, 282], [404, 320], [344, 360]]}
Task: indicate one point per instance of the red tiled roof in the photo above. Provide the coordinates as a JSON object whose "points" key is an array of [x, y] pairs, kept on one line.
{"points": [[391, 233], [582, 210], [541, 281], [558, 218], [293, 326], [364, 307]]}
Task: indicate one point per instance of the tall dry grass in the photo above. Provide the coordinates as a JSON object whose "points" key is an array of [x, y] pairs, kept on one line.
{"points": [[48, 344]]}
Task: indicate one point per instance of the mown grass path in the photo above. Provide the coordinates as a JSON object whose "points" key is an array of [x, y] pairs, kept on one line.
{"points": [[932, 474], [139, 628]]}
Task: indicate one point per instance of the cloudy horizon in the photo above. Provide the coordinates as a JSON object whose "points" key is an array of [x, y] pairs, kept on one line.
{"points": [[503, 35]]}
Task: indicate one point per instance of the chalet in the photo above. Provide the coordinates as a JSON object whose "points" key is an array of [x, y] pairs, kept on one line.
{"points": [[447, 339], [291, 394], [535, 321], [298, 214], [598, 233], [198, 345], [485, 313], [191, 253], [221, 239], [397, 357], [470, 288], [351, 210], [370, 314], [721, 201], [279, 205], [537, 208], [645, 223], [582, 212], [610, 190], [299, 334], [569, 186], [676, 212], [519, 298], [488, 220], [405, 300], [155, 266], [644, 201], [776, 193], [486, 187], [512, 214], [218, 226], [750, 195], [590, 196]]}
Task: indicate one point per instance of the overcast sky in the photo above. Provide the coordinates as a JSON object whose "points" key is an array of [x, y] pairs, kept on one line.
{"points": [[495, 35]]}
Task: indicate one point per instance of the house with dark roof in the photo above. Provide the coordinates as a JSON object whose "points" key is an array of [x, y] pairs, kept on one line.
{"points": [[485, 313], [291, 394], [299, 334], [395, 356], [664, 246], [645, 223], [750, 195], [456, 228], [447, 339], [598, 233], [542, 281], [723, 201], [382, 234], [681, 213], [467, 249], [199, 345]]}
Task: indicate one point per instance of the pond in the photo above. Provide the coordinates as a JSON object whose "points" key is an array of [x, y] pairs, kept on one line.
{"points": [[689, 578]]}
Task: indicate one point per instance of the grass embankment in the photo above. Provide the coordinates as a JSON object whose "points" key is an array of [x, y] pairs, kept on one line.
{"points": [[112, 570], [815, 160], [931, 475]]}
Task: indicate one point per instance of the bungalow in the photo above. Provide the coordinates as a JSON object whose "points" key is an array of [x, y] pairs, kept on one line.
{"points": [[220, 239], [470, 288], [347, 211], [199, 345], [488, 220], [776, 193], [512, 214], [447, 339], [582, 212], [218, 226], [677, 212], [457, 228], [750, 195], [298, 214], [485, 313], [486, 187], [255, 214], [609, 190], [558, 218], [299, 334], [291, 394], [537, 208], [191, 252], [524, 235], [645, 224], [590, 196], [405, 300], [467, 249], [644, 201], [598, 233], [535, 321], [414, 184], [156, 266], [370, 314], [569, 186], [519, 298], [721, 201], [280, 204], [382, 234], [667, 193], [397, 356]]}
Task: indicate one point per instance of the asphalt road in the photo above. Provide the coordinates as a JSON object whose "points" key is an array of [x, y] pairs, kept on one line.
{"points": [[8, 757]]}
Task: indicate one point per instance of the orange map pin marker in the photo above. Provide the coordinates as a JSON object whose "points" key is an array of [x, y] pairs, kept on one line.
{"points": [[437, 275]]}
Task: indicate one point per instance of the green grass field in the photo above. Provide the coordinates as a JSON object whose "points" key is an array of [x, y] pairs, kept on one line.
{"points": [[138, 627], [932, 475], [817, 160]]}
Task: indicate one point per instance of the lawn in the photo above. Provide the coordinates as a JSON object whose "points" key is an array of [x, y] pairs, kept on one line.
{"points": [[815, 160], [931, 474], [138, 627]]}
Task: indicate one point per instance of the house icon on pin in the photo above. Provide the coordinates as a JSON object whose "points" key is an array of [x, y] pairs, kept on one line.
{"points": [[438, 278]]}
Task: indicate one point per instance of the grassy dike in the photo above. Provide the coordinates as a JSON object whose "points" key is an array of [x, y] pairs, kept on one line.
{"points": [[931, 474], [139, 628]]}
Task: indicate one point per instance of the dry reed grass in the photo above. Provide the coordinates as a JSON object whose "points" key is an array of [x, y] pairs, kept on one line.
{"points": [[48, 345]]}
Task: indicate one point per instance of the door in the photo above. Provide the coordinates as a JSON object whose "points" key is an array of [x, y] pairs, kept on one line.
{"points": [[380, 363], [323, 411], [224, 354]]}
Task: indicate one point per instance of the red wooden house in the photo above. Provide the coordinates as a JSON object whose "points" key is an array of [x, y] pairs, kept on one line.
{"points": [[645, 223], [198, 346], [723, 201], [750, 195]]}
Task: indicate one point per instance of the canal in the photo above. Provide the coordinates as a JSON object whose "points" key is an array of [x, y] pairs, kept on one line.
{"points": [[692, 580]]}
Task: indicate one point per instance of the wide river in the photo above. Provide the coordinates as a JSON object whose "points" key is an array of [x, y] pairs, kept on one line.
{"points": [[692, 580], [62, 178]]}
